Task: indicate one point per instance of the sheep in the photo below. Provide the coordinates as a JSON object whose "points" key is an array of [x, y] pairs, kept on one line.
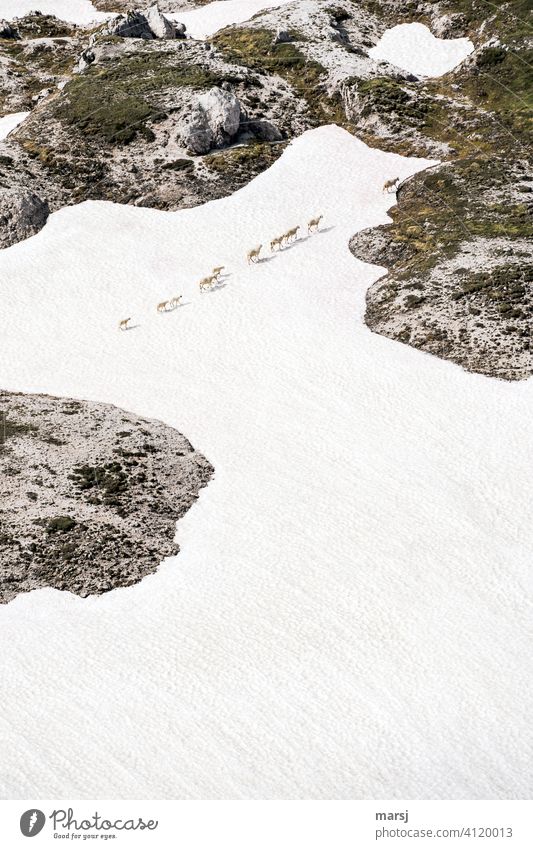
{"points": [[123, 325], [217, 271], [292, 233], [390, 184], [207, 282], [314, 223], [175, 302], [253, 255], [277, 241], [163, 306]]}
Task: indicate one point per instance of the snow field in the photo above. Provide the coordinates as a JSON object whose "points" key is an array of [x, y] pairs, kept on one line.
{"points": [[348, 616], [75, 11]]}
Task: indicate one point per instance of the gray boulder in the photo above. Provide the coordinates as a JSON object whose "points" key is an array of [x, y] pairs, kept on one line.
{"points": [[213, 121], [86, 60], [282, 36], [148, 25], [263, 130], [449, 26], [22, 214], [131, 25], [161, 27], [6, 30]]}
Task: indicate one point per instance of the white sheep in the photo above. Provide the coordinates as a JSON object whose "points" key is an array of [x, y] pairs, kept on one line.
{"points": [[253, 255], [314, 223], [207, 282], [390, 184]]}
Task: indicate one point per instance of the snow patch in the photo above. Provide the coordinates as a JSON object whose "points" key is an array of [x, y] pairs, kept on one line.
{"points": [[207, 20], [414, 48], [74, 11], [9, 122]]}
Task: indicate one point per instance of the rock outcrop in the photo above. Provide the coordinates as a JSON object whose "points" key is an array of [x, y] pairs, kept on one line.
{"points": [[262, 130], [213, 121], [6, 30], [161, 26], [89, 494], [22, 214], [146, 25], [86, 59]]}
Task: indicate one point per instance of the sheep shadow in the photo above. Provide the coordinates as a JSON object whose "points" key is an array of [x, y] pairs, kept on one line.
{"points": [[322, 230], [295, 244], [216, 288]]}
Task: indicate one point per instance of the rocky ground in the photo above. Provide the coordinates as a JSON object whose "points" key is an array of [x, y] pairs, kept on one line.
{"points": [[171, 122], [166, 122], [89, 494], [459, 252]]}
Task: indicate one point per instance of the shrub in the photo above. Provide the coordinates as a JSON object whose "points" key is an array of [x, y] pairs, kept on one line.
{"points": [[61, 524]]}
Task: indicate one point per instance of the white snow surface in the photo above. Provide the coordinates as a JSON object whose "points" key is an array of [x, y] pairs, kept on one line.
{"points": [[414, 48], [207, 20], [9, 122], [75, 11], [200, 22], [348, 616]]}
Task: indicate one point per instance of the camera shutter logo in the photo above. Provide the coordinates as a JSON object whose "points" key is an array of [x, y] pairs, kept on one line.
{"points": [[32, 822]]}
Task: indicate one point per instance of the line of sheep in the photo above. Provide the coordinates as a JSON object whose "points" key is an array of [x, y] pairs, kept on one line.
{"points": [[251, 257]]}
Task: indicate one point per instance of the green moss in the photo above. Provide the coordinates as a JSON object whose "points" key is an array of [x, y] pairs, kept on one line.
{"points": [[256, 156], [104, 111], [61, 524], [116, 101], [414, 301], [254, 48], [43, 26], [338, 13], [508, 287], [107, 482], [178, 165], [391, 98], [14, 429]]}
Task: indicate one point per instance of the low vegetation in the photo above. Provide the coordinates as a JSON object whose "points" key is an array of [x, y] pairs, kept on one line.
{"points": [[254, 48], [115, 101], [478, 118], [253, 157]]}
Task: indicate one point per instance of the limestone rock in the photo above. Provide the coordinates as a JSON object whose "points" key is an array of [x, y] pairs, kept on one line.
{"points": [[6, 30], [212, 122], [282, 37], [86, 60], [264, 130], [131, 25], [147, 25], [22, 214], [161, 26]]}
